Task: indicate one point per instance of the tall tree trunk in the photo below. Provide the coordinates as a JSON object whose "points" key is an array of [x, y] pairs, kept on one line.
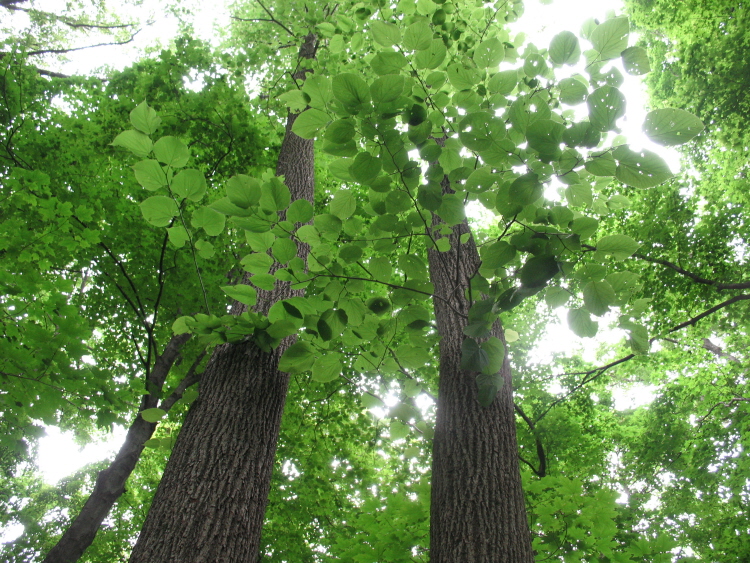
{"points": [[110, 482], [478, 512], [211, 501]]}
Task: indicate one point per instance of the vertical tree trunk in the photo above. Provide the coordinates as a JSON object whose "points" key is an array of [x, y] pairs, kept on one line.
{"points": [[211, 501], [478, 513]]}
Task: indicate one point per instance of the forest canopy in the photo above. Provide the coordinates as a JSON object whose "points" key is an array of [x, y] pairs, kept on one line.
{"points": [[317, 268]]}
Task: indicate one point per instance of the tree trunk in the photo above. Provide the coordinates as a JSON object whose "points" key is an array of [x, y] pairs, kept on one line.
{"points": [[211, 501], [478, 512], [110, 483]]}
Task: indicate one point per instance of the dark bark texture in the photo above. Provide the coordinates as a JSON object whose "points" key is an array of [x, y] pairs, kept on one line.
{"points": [[110, 483], [211, 501], [478, 513]]}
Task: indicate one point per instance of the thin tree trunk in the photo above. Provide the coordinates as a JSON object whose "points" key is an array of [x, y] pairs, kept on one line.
{"points": [[110, 483], [478, 513], [211, 501]]}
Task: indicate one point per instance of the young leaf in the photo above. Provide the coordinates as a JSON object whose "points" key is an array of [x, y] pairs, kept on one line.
{"points": [[619, 246], [635, 60], [671, 127], [564, 49], [135, 141], [150, 174], [210, 220], [598, 296], [327, 368], [309, 122], [298, 358], [245, 294], [172, 152], [243, 191], [581, 324], [606, 106], [640, 169], [153, 415], [159, 210], [610, 38], [144, 118], [189, 184]]}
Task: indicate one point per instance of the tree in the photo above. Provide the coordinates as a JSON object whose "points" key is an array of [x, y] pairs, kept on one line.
{"points": [[390, 233]]}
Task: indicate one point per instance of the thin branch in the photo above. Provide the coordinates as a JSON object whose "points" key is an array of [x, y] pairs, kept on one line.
{"points": [[593, 374], [72, 49], [539, 446], [270, 19], [693, 276]]}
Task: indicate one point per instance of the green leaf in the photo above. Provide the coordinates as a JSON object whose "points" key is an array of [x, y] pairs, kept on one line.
{"points": [[572, 91], [380, 268], [619, 246], [351, 90], [178, 236], [257, 263], [385, 34], [606, 106], [564, 49], [319, 90], [526, 189], [172, 152], [431, 58], [388, 63], [581, 324], [153, 415], [473, 358], [495, 350], [159, 210], [182, 325], [598, 296], [397, 430], [462, 77], [386, 89], [635, 60], [538, 270], [243, 191], [340, 131], [189, 184], [298, 358], [503, 82], [343, 204], [545, 136], [584, 227], [413, 357], [610, 38], [295, 100], [209, 220], [275, 195], [556, 296], [245, 294], [602, 164], [412, 266], [144, 118], [489, 53], [284, 249], [300, 211], [671, 127], [642, 169], [327, 368], [263, 281], [417, 37], [497, 255], [150, 174], [135, 141], [365, 167], [309, 122]]}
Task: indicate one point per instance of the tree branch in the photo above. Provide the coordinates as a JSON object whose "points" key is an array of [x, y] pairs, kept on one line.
{"points": [[110, 483], [695, 277]]}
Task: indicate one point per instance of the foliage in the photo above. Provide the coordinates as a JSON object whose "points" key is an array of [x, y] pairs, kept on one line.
{"points": [[103, 263]]}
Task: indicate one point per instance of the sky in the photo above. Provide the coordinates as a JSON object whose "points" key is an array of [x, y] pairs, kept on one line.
{"points": [[60, 456]]}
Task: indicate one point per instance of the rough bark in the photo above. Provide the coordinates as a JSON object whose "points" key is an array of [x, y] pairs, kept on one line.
{"points": [[211, 501], [478, 512], [110, 483]]}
